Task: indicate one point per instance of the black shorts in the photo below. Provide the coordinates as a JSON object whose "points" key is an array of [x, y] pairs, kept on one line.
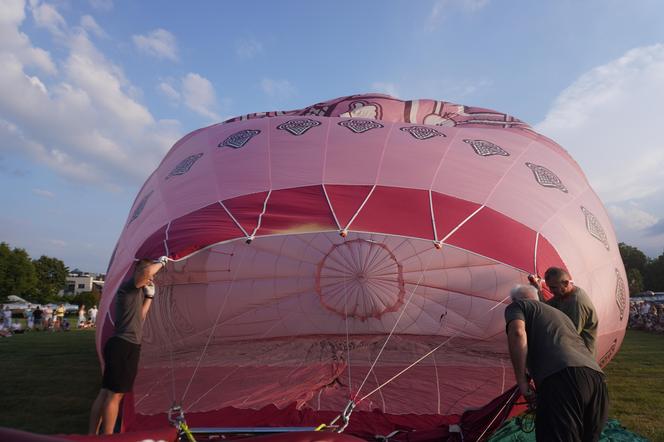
{"points": [[120, 365], [572, 405]]}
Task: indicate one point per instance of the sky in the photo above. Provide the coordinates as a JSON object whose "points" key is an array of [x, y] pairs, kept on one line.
{"points": [[94, 93]]}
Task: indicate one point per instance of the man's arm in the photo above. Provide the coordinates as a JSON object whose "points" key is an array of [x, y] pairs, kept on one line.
{"points": [[536, 282], [147, 302], [148, 296], [146, 276], [517, 341]]}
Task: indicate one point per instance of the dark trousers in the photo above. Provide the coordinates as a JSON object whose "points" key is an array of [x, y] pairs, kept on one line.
{"points": [[572, 405]]}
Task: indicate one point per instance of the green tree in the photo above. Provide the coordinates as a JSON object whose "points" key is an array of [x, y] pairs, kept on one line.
{"points": [[51, 278], [88, 299], [633, 258], [5, 253], [20, 277], [635, 281], [654, 275]]}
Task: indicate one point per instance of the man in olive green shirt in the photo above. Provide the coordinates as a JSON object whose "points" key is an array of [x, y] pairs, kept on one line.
{"points": [[571, 300]]}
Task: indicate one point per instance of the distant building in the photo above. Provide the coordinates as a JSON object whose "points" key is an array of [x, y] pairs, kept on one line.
{"points": [[79, 282]]}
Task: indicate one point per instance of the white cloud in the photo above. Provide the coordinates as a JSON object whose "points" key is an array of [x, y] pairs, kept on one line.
{"points": [[44, 193], [159, 43], [199, 95], [632, 217], [46, 16], [102, 5], [89, 24], [281, 89], [16, 43], [166, 88], [385, 88], [609, 121], [248, 48], [83, 121], [442, 8]]}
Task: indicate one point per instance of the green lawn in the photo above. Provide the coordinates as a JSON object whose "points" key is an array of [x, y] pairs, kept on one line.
{"points": [[636, 384], [49, 380]]}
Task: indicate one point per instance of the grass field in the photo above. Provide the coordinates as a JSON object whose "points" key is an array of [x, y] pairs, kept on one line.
{"points": [[49, 380]]}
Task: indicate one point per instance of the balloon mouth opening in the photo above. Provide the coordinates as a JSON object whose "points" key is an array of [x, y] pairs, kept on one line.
{"points": [[302, 317]]}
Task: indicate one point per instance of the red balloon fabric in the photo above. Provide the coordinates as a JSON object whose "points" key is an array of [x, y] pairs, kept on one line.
{"points": [[360, 248]]}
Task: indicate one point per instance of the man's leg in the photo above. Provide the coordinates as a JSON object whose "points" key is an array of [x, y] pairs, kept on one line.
{"points": [[597, 407], [559, 409], [95, 412], [110, 411]]}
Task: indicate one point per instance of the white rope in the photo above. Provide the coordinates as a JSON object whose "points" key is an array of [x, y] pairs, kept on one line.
{"points": [[498, 414], [433, 220], [350, 378], [329, 203], [168, 227], [237, 223], [427, 354], [535, 254], [260, 217], [360, 208]]}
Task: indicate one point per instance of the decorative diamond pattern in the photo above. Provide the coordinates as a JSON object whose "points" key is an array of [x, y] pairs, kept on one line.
{"points": [[546, 178], [621, 297], [486, 148], [360, 126], [184, 165], [298, 127], [595, 228], [239, 139], [141, 206], [422, 132]]}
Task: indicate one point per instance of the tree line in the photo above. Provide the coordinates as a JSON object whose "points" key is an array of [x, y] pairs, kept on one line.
{"points": [[643, 273], [36, 280]]}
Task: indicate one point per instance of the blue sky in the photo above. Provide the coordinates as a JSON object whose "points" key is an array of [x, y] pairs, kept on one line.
{"points": [[94, 93]]}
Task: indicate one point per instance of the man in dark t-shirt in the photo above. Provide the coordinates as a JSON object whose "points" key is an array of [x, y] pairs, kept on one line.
{"points": [[122, 351], [37, 316], [571, 393]]}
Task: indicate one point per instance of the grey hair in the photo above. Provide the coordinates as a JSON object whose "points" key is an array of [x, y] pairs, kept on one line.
{"points": [[523, 291]]}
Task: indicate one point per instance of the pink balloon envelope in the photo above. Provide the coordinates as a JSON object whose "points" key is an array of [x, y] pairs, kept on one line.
{"points": [[359, 248]]}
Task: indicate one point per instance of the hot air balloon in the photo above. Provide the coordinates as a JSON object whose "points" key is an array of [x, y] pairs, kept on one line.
{"points": [[350, 262]]}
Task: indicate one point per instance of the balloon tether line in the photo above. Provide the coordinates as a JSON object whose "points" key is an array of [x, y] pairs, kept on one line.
{"points": [[221, 310], [424, 357], [403, 310]]}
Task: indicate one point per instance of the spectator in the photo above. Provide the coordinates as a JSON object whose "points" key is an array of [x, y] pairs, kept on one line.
{"points": [[59, 317], [48, 317], [92, 313], [30, 320], [7, 316], [37, 316], [81, 316]]}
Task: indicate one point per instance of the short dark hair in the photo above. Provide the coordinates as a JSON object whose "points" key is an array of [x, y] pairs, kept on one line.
{"points": [[142, 263], [556, 273]]}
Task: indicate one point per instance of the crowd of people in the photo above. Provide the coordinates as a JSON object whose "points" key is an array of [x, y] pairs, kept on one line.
{"points": [[647, 315], [45, 318]]}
